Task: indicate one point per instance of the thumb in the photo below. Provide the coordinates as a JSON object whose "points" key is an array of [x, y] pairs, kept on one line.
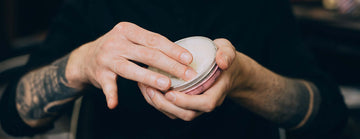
{"points": [[109, 87], [225, 54]]}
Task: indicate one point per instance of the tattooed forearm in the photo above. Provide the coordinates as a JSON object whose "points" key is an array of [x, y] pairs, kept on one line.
{"points": [[295, 102], [41, 93], [309, 95], [290, 103]]}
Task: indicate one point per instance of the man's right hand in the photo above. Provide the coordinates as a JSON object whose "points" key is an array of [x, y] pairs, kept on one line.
{"points": [[100, 62]]}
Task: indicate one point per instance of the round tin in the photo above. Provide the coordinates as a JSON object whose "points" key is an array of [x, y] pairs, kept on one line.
{"points": [[203, 51]]}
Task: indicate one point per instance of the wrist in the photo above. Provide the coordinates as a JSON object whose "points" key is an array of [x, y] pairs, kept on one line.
{"points": [[245, 70], [74, 69], [249, 76]]}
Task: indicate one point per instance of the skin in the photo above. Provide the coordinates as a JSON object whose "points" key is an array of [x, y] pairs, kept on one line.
{"points": [[288, 102], [41, 93], [99, 63]]}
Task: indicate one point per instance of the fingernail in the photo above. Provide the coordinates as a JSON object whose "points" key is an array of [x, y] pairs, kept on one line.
{"points": [[163, 83], [150, 92], [190, 73], [185, 57], [171, 96]]}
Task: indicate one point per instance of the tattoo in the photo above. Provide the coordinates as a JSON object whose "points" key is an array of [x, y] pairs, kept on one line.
{"points": [[297, 105], [314, 102], [42, 93], [291, 103]]}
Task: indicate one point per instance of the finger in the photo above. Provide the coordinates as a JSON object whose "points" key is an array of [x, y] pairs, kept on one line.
{"points": [[169, 115], [109, 87], [202, 102], [146, 38], [162, 104], [155, 58], [131, 71], [148, 100], [225, 54], [205, 102], [142, 88]]}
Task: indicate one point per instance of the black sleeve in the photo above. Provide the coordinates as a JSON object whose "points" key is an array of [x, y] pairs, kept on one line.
{"points": [[287, 56], [68, 31]]}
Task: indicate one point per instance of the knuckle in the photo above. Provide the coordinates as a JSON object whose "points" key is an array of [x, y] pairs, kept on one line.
{"points": [[150, 79], [158, 104], [233, 55], [227, 42], [224, 40], [108, 44], [209, 107], [120, 66], [122, 25], [124, 28], [153, 39], [122, 62], [101, 59], [219, 40], [178, 69], [189, 116], [136, 72], [153, 55]]}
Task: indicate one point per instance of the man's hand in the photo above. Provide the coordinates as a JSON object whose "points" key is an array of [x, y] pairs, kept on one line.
{"points": [[291, 103], [101, 61], [180, 105]]}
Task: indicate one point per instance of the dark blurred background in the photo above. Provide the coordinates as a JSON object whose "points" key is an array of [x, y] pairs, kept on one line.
{"points": [[330, 28], [23, 24]]}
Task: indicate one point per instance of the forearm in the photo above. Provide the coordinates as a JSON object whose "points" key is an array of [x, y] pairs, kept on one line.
{"points": [[42, 93], [291, 103]]}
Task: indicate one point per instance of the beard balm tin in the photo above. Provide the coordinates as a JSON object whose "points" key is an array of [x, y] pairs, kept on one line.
{"points": [[203, 51]]}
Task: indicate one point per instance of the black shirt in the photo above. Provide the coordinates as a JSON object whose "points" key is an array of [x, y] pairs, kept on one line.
{"points": [[262, 29]]}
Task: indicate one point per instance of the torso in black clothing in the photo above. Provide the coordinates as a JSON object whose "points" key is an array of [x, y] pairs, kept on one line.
{"points": [[262, 29], [134, 118]]}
